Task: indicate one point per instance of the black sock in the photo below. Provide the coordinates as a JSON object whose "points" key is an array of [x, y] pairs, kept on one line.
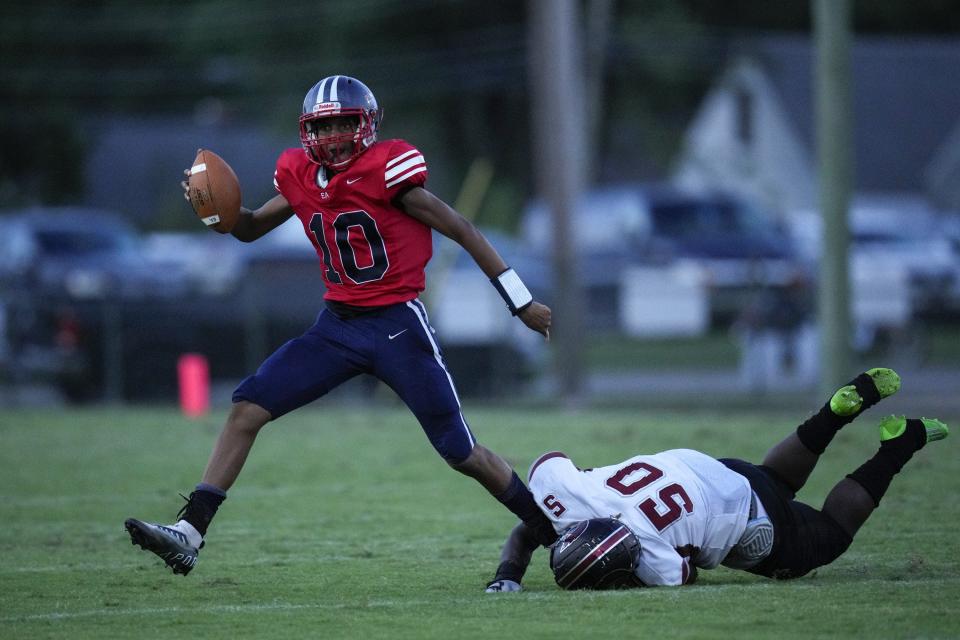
{"points": [[876, 473], [519, 500], [818, 431], [202, 506], [510, 571]]}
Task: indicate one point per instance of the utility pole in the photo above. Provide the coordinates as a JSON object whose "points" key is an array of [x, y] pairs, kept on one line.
{"points": [[597, 26], [832, 26], [557, 117]]}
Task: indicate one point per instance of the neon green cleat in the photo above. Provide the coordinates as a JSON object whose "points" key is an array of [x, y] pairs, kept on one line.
{"points": [[894, 426], [847, 401]]}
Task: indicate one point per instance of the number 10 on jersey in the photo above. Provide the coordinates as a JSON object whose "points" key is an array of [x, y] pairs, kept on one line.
{"points": [[367, 229]]}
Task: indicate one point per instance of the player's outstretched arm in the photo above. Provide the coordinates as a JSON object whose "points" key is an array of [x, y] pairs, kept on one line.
{"points": [[257, 223], [514, 560], [437, 214]]}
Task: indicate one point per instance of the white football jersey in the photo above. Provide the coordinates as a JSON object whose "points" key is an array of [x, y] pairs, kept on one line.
{"points": [[683, 506]]}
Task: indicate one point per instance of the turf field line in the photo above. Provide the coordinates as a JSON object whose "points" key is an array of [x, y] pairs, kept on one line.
{"points": [[245, 608], [280, 560], [70, 499], [64, 568], [697, 593], [114, 611], [282, 606], [12, 500]]}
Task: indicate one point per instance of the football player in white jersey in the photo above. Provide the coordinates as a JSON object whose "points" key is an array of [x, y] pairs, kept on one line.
{"points": [[653, 520]]}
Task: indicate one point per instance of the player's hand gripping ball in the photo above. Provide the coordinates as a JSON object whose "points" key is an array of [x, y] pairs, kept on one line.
{"points": [[214, 191]]}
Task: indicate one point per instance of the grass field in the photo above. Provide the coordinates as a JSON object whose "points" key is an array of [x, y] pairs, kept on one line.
{"points": [[932, 344], [344, 524]]}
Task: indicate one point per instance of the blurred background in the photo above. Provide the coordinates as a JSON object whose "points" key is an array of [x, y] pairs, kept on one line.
{"points": [[649, 167]]}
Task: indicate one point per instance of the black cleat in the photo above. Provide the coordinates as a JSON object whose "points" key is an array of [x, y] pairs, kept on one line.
{"points": [[168, 543]]}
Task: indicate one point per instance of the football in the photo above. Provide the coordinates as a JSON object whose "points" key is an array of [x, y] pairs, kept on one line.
{"points": [[214, 191]]}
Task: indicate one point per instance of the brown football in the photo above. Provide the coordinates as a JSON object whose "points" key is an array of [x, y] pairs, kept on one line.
{"points": [[214, 191]]}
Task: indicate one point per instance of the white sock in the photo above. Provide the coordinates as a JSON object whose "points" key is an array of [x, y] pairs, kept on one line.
{"points": [[187, 529]]}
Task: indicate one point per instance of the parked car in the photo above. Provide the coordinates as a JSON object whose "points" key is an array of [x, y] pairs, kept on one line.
{"points": [[737, 246], [951, 231], [901, 234], [81, 253], [211, 264], [74, 282]]}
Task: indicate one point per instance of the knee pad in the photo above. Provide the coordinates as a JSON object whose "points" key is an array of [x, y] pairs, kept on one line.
{"points": [[449, 435], [453, 449]]}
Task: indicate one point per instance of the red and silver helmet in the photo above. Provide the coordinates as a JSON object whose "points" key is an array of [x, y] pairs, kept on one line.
{"points": [[336, 96], [601, 553]]}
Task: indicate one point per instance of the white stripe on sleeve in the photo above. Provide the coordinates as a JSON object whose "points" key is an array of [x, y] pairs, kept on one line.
{"points": [[401, 168], [401, 157], [419, 169]]}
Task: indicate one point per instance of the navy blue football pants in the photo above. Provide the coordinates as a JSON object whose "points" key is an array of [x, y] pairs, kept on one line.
{"points": [[396, 344]]}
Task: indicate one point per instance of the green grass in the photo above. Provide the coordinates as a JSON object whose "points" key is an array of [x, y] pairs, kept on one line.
{"points": [[934, 344], [940, 344], [344, 524], [716, 350]]}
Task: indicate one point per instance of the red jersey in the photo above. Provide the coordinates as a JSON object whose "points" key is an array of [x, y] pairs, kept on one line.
{"points": [[371, 252]]}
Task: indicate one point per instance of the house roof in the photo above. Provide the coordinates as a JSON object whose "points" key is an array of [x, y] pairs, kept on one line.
{"points": [[906, 100]]}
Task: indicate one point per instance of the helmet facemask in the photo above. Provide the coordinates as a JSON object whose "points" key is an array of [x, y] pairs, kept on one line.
{"points": [[338, 96], [337, 150]]}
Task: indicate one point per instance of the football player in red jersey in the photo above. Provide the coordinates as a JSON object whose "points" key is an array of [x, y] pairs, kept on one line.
{"points": [[363, 205]]}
